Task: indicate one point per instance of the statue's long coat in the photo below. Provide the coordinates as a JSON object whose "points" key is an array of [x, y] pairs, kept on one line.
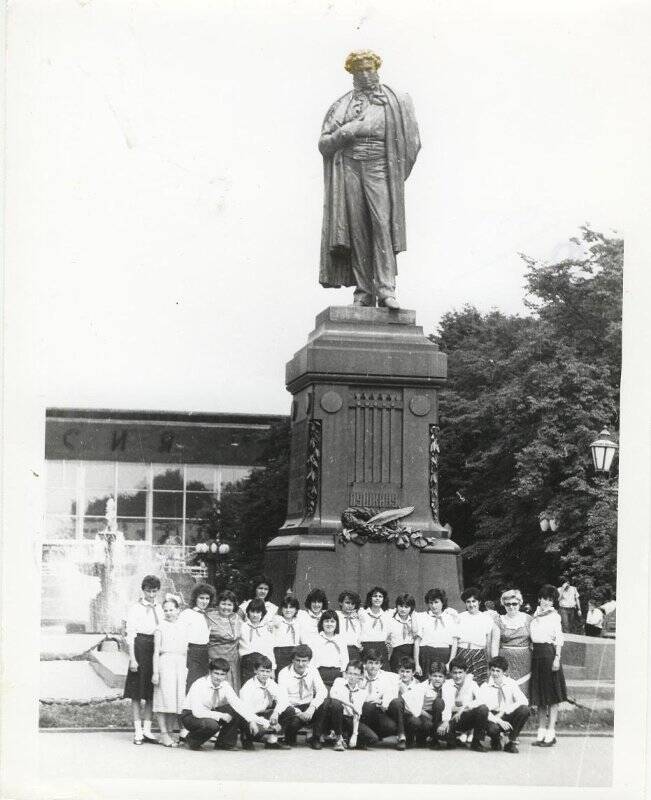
{"points": [[402, 146]]}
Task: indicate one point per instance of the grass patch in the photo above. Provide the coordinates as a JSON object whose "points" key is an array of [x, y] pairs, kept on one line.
{"points": [[111, 714]]}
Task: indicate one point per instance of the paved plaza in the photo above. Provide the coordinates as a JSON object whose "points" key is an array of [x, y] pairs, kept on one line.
{"points": [[574, 761]]}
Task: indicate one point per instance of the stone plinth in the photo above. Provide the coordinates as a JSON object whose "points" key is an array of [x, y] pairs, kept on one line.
{"points": [[364, 434]]}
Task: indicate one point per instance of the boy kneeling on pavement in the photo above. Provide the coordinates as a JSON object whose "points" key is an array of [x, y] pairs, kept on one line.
{"points": [[508, 707], [462, 710], [212, 707], [305, 692], [262, 696]]}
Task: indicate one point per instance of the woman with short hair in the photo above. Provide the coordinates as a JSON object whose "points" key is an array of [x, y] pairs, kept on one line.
{"points": [[225, 629], [511, 639], [472, 638], [547, 685]]}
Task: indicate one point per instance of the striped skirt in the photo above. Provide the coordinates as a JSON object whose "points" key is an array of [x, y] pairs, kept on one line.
{"points": [[476, 662]]}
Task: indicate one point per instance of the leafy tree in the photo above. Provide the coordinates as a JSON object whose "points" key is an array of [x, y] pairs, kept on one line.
{"points": [[250, 512], [525, 397]]}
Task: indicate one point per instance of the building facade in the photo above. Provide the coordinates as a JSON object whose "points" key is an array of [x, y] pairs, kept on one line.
{"points": [[161, 468]]}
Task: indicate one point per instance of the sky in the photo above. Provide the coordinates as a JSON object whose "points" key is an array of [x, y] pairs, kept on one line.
{"points": [[165, 188]]}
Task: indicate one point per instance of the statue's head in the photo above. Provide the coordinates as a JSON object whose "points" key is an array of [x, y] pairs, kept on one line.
{"points": [[363, 65]]}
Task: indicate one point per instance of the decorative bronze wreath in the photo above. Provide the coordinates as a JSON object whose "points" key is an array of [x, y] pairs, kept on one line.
{"points": [[361, 525]]}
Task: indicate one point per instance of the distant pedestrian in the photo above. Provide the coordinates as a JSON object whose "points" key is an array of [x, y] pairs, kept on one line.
{"points": [[569, 604], [594, 619]]}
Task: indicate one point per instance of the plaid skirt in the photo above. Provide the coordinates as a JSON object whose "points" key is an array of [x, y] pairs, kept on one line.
{"points": [[546, 688], [138, 685], [476, 662]]}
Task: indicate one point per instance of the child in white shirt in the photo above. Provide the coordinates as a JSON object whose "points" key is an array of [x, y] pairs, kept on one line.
{"points": [[255, 640]]}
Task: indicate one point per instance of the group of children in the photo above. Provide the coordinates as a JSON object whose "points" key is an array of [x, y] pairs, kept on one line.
{"points": [[352, 676]]}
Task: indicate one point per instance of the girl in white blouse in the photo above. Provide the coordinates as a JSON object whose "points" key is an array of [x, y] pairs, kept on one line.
{"points": [[285, 632], [330, 654], [262, 589], [547, 685], [374, 623]]}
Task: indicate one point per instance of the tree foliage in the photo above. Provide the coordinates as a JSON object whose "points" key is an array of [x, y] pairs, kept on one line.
{"points": [[525, 397], [250, 512]]}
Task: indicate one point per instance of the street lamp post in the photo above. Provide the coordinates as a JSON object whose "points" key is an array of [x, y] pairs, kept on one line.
{"points": [[603, 451], [210, 552]]}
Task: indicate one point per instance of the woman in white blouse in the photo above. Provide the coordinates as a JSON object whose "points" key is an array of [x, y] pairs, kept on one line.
{"points": [[547, 684], [198, 625]]}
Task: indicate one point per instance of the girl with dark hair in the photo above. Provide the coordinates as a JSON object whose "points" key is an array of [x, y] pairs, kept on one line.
{"points": [[142, 620], [261, 589], [255, 640], [196, 621], [285, 633], [198, 626], [434, 632], [330, 654], [225, 627], [547, 685], [401, 631], [315, 604], [472, 638], [374, 624], [349, 623]]}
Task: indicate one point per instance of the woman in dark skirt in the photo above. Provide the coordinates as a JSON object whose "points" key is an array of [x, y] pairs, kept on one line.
{"points": [[142, 620], [547, 684], [198, 624], [285, 632], [401, 629], [434, 633], [330, 654], [374, 623]]}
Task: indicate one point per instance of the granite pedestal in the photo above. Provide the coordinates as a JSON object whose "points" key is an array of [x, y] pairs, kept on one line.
{"points": [[364, 434]]}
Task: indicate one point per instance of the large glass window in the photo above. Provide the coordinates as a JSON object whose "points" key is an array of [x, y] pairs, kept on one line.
{"points": [[161, 503]]}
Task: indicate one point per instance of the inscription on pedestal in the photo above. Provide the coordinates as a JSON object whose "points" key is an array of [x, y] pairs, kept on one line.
{"points": [[374, 496]]}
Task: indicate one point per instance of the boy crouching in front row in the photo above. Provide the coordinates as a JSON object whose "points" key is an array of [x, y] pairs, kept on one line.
{"points": [[414, 726], [462, 710], [262, 696], [212, 707], [305, 692], [342, 713], [508, 707]]}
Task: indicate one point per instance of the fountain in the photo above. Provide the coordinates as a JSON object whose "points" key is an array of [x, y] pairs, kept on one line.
{"points": [[88, 585]]}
